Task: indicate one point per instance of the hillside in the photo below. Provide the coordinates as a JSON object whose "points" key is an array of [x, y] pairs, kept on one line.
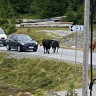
{"points": [[28, 75], [31, 74]]}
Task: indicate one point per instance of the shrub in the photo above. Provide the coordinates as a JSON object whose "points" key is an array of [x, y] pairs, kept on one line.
{"points": [[5, 26], [13, 21], [3, 21], [19, 21], [71, 91], [39, 93], [12, 28]]}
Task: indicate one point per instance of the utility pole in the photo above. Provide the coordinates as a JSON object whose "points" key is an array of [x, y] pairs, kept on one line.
{"points": [[91, 47], [86, 47]]}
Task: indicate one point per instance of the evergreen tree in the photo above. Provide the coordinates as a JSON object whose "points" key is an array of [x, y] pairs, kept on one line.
{"points": [[6, 10], [75, 11]]}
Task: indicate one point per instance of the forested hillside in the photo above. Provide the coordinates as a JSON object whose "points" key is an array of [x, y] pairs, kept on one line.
{"points": [[73, 9], [43, 8]]}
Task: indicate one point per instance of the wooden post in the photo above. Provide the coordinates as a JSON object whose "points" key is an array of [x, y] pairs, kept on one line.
{"points": [[86, 47]]}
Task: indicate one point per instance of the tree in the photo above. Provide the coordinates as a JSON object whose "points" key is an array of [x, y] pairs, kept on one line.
{"points": [[6, 10], [21, 6], [75, 12], [50, 9]]}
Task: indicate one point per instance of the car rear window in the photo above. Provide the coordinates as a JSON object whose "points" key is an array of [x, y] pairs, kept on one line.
{"points": [[1, 31], [24, 37]]}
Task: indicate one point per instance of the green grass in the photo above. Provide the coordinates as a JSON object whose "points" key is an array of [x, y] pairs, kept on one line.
{"points": [[28, 75], [94, 28]]}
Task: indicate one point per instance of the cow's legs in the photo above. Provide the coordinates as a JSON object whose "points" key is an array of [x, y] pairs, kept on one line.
{"points": [[48, 51], [57, 49], [44, 49], [54, 49]]}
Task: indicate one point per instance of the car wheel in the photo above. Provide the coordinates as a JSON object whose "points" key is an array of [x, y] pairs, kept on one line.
{"points": [[34, 50], [19, 48], [4, 44], [8, 47]]}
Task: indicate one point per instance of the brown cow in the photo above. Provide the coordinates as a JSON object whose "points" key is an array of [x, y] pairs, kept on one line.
{"points": [[94, 41], [93, 44]]}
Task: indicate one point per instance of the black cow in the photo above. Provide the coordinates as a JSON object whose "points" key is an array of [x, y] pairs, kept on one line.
{"points": [[55, 44], [46, 45]]}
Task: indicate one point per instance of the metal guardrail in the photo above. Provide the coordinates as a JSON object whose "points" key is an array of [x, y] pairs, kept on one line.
{"points": [[45, 24]]}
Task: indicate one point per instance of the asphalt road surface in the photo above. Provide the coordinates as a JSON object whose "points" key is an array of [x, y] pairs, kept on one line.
{"points": [[62, 54], [79, 92]]}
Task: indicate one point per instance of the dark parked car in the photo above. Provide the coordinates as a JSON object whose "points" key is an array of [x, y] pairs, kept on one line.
{"points": [[21, 42]]}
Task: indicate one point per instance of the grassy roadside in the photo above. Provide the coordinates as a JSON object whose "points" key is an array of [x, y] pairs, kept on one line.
{"points": [[28, 75], [37, 35]]}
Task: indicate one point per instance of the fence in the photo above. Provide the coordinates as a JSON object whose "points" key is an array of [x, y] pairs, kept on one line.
{"points": [[45, 24]]}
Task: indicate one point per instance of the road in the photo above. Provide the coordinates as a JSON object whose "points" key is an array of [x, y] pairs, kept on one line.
{"points": [[79, 92], [63, 54]]}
